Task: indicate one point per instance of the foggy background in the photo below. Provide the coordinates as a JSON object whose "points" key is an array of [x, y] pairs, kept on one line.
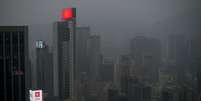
{"points": [[117, 21]]}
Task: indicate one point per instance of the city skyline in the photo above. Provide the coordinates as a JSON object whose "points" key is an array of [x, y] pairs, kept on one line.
{"points": [[109, 50]]}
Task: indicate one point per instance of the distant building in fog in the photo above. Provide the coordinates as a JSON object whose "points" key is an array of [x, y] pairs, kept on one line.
{"points": [[94, 54], [14, 62], [146, 53], [106, 70], [196, 58], [179, 56], [177, 49], [44, 65], [82, 35], [125, 63], [138, 91]]}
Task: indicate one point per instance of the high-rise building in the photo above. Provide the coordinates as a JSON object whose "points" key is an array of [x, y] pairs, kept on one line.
{"points": [[178, 55], [137, 91], [177, 49], [125, 62], [94, 54], [64, 54], [196, 58], [44, 65], [146, 53], [106, 70], [82, 35], [14, 63], [113, 95]]}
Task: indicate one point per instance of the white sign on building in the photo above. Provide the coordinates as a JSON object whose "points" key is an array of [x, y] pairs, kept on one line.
{"points": [[36, 95], [40, 44]]}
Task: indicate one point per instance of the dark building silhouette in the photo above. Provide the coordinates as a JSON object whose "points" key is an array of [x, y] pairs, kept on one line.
{"points": [[44, 65], [14, 63], [64, 54], [82, 36]]}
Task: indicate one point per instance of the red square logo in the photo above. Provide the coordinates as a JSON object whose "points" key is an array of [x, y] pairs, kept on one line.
{"points": [[66, 13], [37, 94]]}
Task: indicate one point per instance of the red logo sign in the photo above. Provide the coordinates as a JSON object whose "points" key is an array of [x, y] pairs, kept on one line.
{"points": [[67, 13], [37, 94]]}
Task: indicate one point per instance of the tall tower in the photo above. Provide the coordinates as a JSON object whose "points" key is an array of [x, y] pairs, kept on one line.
{"points": [[94, 55], [15, 71], [44, 67], [64, 54], [82, 35], [146, 53]]}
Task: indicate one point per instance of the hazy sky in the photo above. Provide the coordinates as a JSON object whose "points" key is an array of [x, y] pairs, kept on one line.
{"points": [[93, 12], [112, 19]]}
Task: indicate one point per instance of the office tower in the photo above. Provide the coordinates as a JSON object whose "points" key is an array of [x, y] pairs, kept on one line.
{"points": [[106, 70], [14, 63], [196, 58], [82, 35], [125, 62], [64, 54], [44, 65], [146, 53], [113, 95], [177, 49], [117, 73], [178, 55], [137, 91], [172, 91], [94, 55]]}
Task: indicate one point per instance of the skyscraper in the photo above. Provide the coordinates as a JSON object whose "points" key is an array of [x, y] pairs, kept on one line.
{"points": [[125, 62], [138, 91], [14, 63], [64, 54], [106, 71], [44, 65], [146, 52], [82, 35], [94, 55], [177, 49], [178, 55], [196, 58]]}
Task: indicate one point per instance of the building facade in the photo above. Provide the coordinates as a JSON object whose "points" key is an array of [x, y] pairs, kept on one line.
{"points": [[146, 53], [14, 63], [44, 64], [64, 55], [82, 35], [94, 56]]}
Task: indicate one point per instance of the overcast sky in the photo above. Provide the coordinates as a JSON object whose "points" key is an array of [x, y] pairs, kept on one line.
{"points": [[112, 19]]}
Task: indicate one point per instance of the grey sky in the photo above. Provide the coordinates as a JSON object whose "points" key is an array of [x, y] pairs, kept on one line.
{"points": [[113, 19]]}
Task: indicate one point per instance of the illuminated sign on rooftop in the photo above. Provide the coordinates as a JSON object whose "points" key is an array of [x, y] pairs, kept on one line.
{"points": [[67, 13]]}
